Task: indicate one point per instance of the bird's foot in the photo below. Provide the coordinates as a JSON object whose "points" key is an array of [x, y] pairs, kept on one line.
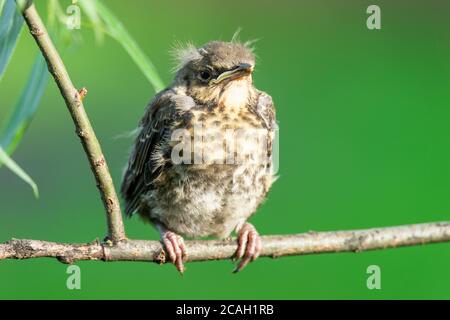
{"points": [[175, 248], [249, 246]]}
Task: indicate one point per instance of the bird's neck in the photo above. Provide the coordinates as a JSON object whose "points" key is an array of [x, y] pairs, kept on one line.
{"points": [[236, 95]]}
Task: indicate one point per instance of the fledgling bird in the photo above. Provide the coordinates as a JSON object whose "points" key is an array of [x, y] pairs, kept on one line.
{"points": [[209, 195]]}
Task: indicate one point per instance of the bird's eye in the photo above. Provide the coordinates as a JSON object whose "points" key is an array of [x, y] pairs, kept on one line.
{"points": [[205, 75]]}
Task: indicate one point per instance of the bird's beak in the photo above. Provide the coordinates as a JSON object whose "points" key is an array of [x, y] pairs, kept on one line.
{"points": [[241, 70]]}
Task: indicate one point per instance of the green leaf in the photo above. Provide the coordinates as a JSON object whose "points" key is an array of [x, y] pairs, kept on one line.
{"points": [[11, 22], [14, 167], [97, 23], [26, 107], [115, 28], [2, 2]]}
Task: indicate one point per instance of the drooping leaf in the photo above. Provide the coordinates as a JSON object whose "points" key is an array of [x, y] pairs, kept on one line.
{"points": [[97, 23], [14, 167], [11, 23], [2, 2], [115, 28], [26, 107]]}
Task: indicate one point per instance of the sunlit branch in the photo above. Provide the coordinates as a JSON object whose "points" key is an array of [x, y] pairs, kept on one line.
{"points": [[201, 250]]}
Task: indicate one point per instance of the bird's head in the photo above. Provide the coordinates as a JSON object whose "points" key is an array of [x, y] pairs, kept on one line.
{"points": [[209, 71]]}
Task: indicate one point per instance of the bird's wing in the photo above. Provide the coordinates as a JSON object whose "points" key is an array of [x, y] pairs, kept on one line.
{"points": [[265, 109], [144, 164]]}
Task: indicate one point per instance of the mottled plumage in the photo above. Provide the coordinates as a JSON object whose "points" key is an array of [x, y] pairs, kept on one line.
{"points": [[209, 196]]}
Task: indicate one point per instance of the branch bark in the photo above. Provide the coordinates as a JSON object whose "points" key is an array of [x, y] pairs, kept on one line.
{"points": [[201, 250], [83, 128]]}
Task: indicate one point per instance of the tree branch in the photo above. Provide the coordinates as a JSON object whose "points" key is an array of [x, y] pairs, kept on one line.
{"points": [[83, 127], [201, 250]]}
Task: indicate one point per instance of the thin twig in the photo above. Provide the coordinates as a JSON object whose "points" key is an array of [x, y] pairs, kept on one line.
{"points": [[201, 250], [83, 127]]}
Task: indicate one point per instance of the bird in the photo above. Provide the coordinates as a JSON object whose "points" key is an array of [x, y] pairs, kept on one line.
{"points": [[184, 182]]}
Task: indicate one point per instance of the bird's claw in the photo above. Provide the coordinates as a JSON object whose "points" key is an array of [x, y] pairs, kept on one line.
{"points": [[175, 248], [249, 246]]}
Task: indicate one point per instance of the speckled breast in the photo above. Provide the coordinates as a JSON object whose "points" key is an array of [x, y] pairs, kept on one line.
{"points": [[221, 182]]}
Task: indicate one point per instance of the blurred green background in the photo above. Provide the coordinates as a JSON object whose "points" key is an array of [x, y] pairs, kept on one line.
{"points": [[365, 142]]}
